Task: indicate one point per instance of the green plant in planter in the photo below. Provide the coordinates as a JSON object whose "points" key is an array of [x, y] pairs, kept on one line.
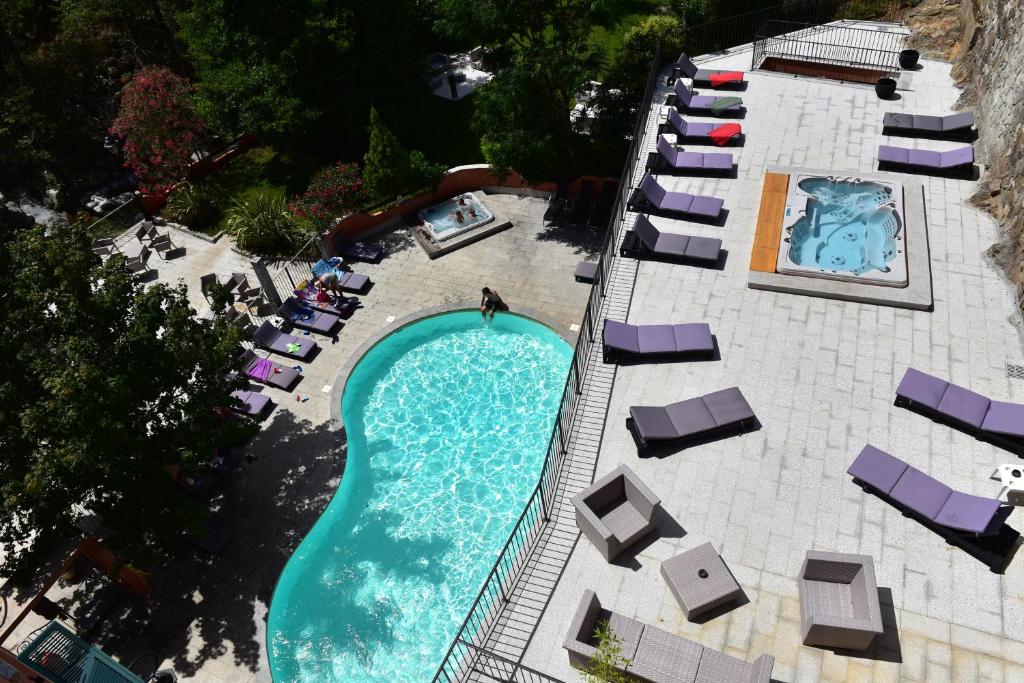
{"points": [[607, 664], [261, 223], [196, 206]]}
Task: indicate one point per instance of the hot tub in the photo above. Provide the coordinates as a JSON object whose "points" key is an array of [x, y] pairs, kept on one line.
{"points": [[844, 228], [441, 221]]}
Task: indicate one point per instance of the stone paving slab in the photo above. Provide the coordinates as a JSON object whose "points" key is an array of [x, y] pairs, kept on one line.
{"points": [[821, 376]]}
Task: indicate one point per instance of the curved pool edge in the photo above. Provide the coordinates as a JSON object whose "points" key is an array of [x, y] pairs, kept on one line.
{"points": [[341, 379], [336, 424]]}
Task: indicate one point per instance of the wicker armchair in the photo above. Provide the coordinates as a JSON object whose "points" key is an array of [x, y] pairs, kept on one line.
{"points": [[616, 511], [839, 600]]}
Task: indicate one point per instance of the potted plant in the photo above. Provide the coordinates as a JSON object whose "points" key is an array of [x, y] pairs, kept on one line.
{"points": [[908, 58], [885, 88]]}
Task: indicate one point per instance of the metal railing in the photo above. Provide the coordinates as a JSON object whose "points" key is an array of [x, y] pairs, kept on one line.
{"points": [[740, 29], [833, 44], [465, 657], [118, 220]]}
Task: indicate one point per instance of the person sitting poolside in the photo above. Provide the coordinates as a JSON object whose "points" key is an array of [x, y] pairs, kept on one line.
{"points": [[329, 282], [491, 302]]}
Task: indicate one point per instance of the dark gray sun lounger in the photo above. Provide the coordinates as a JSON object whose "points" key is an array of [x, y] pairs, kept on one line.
{"points": [[928, 499], [701, 77], [653, 198], [1000, 422], [270, 338], [951, 126], [623, 341], [251, 403], [959, 159], [306, 317], [646, 241], [670, 158], [692, 102], [696, 418], [277, 376]]}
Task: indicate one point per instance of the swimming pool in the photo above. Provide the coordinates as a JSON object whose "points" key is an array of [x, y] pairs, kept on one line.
{"points": [[846, 229], [441, 223], [447, 421]]}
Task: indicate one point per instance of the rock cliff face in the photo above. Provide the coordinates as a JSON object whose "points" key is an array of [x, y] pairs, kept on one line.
{"points": [[990, 66]]}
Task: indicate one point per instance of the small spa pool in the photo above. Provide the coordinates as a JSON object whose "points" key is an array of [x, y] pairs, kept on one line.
{"points": [[447, 421], [846, 229], [441, 221]]}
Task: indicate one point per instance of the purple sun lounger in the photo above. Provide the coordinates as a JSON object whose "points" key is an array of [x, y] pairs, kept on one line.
{"points": [[696, 418], [686, 67], [266, 371], [656, 199], [646, 241], [693, 130], [693, 102], [953, 160], [928, 499], [252, 403], [672, 158], [997, 421], [272, 339], [622, 340], [306, 317]]}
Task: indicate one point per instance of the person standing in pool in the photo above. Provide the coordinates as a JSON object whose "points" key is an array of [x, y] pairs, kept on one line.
{"points": [[491, 302]]}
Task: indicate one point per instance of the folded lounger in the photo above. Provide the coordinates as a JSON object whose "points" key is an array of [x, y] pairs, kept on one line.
{"points": [[704, 416], [272, 339], [996, 421], [926, 498], [253, 403], [672, 158], [347, 280], [933, 126], [700, 131], [357, 251], [622, 340], [266, 371], [714, 78], [691, 101], [646, 241], [305, 317], [656, 199], [957, 159]]}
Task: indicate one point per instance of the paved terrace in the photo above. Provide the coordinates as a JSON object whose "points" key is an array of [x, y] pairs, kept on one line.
{"points": [[207, 613], [821, 376]]}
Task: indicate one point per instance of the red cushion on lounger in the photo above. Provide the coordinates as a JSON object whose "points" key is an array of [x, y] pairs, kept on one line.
{"points": [[718, 79], [723, 133]]}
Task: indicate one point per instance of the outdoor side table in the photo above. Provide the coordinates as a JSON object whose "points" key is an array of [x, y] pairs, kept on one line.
{"points": [[700, 580]]}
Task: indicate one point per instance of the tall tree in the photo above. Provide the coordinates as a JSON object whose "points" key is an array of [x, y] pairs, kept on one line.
{"points": [[104, 385], [523, 114], [389, 170]]}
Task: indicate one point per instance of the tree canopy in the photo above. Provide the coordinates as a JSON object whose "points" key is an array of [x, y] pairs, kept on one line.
{"points": [[104, 385]]}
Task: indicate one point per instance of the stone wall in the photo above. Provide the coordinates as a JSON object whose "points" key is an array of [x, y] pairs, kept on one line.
{"points": [[990, 66]]}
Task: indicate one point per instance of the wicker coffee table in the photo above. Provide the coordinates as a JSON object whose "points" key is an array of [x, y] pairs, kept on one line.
{"points": [[700, 580]]}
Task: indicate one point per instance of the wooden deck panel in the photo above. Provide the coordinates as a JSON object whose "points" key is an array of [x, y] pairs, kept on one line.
{"points": [[769, 223]]}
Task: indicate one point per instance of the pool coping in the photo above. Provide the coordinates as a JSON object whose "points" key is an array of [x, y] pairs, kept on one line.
{"points": [[337, 424], [917, 295]]}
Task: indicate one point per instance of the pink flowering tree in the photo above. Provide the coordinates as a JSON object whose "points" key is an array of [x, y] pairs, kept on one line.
{"points": [[160, 127], [333, 192]]}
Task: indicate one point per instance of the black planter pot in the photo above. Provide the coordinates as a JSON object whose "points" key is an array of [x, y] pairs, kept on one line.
{"points": [[908, 58], [885, 88]]}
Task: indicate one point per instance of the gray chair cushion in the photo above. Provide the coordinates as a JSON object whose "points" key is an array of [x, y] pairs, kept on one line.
{"points": [[728, 406], [691, 417]]}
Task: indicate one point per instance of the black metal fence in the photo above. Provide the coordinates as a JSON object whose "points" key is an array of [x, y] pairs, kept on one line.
{"points": [[118, 220], [465, 658], [740, 29], [837, 45]]}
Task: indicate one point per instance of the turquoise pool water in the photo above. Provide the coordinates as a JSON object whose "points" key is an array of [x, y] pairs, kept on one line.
{"points": [[447, 420]]}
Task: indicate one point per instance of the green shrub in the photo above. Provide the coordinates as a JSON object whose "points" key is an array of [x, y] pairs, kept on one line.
{"points": [[261, 224], [607, 664], [197, 206]]}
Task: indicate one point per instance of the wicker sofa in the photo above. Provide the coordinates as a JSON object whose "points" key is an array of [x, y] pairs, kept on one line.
{"points": [[839, 600], [616, 511], [654, 655]]}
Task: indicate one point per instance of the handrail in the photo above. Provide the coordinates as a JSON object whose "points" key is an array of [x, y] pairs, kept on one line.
{"points": [[739, 29], [831, 44], [464, 650]]}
